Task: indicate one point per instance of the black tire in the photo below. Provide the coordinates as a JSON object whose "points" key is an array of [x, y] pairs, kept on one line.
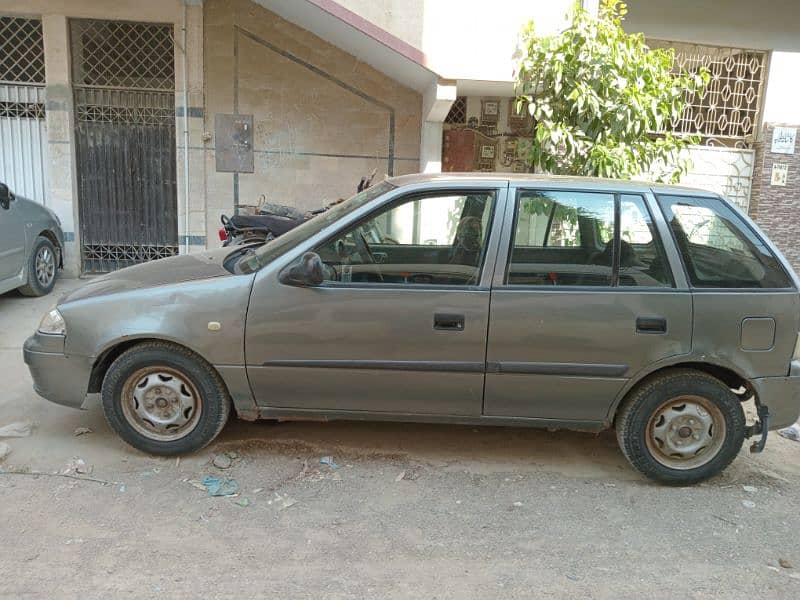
{"points": [[215, 403], [648, 400], [35, 287]]}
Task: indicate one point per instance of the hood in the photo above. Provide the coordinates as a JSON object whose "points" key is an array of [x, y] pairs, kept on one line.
{"points": [[176, 269]]}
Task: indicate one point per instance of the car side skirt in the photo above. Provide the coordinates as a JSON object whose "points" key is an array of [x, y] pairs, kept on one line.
{"points": [[292, 414]]}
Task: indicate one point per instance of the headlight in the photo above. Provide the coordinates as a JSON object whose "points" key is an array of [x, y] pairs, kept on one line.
{"points": [[53, 323]]}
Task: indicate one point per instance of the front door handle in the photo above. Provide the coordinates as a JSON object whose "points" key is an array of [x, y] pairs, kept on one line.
{"points": [[651, 325], [448, 321]]}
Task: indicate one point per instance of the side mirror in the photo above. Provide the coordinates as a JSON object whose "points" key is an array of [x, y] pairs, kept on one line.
{"points": [[5, 196], [306, 273]]}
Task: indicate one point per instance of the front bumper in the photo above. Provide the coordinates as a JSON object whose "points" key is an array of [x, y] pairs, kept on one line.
{"points": [[781, 395], [56, 377]]}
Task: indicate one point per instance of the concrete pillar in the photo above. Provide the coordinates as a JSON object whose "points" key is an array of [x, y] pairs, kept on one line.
{"points": [[436, 103], [430, 153], [775, 203], [189, 129], [62, 183]]}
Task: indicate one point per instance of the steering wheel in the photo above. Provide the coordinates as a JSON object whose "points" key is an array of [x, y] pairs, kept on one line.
{"points": [[363, 249]]}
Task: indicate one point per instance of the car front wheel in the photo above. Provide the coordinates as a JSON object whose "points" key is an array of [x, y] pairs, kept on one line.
{"points": [[42, 268], [681, 427], [164, 399]]}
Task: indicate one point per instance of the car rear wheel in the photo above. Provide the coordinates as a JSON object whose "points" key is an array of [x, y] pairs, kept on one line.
{"points": [[164, 399], [42, 268], [681, 427]]}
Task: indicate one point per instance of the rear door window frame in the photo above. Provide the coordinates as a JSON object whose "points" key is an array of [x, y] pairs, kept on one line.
{"points": [[503, 265]]}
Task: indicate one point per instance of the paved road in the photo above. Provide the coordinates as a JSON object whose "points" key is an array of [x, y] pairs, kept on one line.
{"points": [[409, 512]]}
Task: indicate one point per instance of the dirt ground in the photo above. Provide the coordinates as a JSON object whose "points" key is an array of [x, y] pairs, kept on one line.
{"points": [[410, 511]]}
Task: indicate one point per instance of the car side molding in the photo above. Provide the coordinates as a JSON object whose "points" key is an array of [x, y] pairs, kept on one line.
{"points": [[549, 368], [444, 366]]}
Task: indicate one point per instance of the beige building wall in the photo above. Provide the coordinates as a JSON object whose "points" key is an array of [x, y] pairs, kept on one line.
{"points": [[322, 118], [765, 25], [464, 39]]}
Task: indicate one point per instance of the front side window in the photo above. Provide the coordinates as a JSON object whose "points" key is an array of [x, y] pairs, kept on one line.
{"points": [[268, 252], [432, 239], [718, 249], [567, 238]]}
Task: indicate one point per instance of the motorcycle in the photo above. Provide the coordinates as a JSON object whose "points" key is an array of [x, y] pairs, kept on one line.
{"points": [[271, 221]]}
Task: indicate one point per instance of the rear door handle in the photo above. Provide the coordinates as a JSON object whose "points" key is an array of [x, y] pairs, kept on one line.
{"points": [[448, 321], [651, 325]]}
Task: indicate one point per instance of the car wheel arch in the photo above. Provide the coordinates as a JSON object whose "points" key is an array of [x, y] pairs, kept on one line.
{"points": [[724, 373], [53, 238], [116, 348]]}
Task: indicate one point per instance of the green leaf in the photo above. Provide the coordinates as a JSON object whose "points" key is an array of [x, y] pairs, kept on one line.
{"points": [[602, 99]]}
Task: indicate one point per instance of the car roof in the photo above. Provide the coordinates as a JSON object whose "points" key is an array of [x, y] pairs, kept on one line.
{"points": [[541, 179]]}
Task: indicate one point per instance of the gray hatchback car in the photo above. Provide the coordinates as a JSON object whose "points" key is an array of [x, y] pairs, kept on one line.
{"points": [[31, 245], [478, 299]]}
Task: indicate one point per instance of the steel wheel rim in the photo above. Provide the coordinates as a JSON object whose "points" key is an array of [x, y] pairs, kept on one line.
{"points": [[686, 432], [161, 403], [45, 266]]}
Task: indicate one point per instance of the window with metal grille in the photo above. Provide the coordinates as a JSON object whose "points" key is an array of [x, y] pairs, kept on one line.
{"points": [[21, 51], [458, 112], [123, 54], [727, 111]]}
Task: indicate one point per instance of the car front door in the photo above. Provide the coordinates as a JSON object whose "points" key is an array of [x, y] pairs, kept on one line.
{"points": [[12, 240], [583, 299], [398, 325]]}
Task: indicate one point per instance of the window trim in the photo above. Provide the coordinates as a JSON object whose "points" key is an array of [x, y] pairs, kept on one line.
{"points": [[617, 247], [658, 240], [495, 191], [660, 201], [614, 287], [548, 228]]}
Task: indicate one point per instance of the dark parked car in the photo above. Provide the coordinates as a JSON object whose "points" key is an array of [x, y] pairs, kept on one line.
{"points": [[31, 245], [479, 299]]}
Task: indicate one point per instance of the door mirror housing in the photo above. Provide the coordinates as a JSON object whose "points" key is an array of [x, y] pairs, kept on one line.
{"points": [[308, 272], [5, 196]]}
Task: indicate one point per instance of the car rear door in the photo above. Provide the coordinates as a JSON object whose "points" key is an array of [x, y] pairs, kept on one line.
{"points": [[404, 333], [583, 299]]}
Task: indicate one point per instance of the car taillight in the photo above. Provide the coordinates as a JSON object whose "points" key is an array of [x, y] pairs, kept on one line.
{"points": [[223, 236]]}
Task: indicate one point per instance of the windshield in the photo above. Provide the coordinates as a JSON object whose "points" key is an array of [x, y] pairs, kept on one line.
{"points": [[290, 239]]}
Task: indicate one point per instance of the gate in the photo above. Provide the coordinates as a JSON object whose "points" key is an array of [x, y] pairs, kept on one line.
{"points": [[23, 138], [727, 171], [124, 87]]}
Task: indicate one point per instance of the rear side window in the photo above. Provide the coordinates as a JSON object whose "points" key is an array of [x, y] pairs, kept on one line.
{"points": [[575, 238], [562, 238], [718, 249]]}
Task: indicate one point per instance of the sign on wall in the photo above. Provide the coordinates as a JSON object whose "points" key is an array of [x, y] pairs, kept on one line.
{"points": [[780, 173], [783, 140]]}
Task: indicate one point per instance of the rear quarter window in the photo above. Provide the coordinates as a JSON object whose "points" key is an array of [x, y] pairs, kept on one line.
{"points": [[718, 249]]}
